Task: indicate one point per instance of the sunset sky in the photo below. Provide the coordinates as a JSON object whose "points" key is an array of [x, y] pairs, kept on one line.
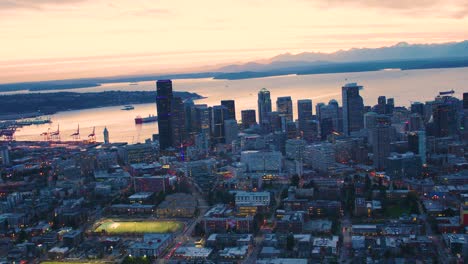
{"points": [[57, 39]]}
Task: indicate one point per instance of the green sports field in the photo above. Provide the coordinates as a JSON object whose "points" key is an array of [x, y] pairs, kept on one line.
{"points": [[139, 227]]}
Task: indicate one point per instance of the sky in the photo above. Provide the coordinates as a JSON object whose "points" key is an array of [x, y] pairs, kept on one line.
{"points": [[62, 39]]}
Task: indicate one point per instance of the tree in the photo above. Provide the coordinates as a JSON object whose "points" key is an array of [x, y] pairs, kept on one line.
{"points": [[290, 242]]}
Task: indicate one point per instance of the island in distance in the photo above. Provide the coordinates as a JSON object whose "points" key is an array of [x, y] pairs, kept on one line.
{"points": [[34, 104]]}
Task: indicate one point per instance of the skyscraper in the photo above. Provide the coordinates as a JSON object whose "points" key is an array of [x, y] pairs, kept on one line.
{"points": [[417, 144], [264, 106], [304, 112], [231, 108], [231, 130], [285, 108], [381, 145], [248, 118], [417, 108], [328, 118], [178, 125], [353, 108], [465, 100], [164, 107], [219, 115]]}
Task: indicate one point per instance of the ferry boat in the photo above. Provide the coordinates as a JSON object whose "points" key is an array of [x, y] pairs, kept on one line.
{"points": [[128, 107], [148, 119]]}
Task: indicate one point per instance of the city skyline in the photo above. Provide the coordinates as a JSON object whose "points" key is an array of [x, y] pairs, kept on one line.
{"points": [[43, 40]]}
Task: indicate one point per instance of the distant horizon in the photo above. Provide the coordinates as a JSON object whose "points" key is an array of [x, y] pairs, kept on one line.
{"points": [[54, 40], [202, 68]]}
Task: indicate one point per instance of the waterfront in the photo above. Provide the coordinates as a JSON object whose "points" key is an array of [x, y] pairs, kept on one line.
{"points": [[404, 86]]}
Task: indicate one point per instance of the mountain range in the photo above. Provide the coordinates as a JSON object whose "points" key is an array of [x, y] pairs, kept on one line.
{"points": [[398, 52]]}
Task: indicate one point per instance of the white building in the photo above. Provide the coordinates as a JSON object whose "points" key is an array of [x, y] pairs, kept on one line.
{"points": [[252, 198]]}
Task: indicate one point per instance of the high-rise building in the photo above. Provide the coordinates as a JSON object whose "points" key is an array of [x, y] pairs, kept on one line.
{"points": [[164, 107], [274, 121], [311, 131], [381, 138], [231, 108], [178, 125], [465, 100], [390, 106], [417, 144], [106, 135], [202, 120], [304, 112], [231, 130], [219, 115], [381, 105], [417, 108], [264, 106], [291, 130], [284, 107], [443, 117], [353, 108], [320, 157], [415, 122], [248, 118], [328, 118], [4, 155]]}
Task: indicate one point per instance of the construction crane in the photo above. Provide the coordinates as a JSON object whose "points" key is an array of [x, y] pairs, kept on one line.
{"points": [[92, 136], [76, 135], [46, 135]]}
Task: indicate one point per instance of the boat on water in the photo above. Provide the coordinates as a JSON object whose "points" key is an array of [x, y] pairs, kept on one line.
{"points": [[148, 119], [128, 107], [133, 83]]}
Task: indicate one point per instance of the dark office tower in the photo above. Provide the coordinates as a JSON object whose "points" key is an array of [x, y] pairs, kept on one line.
{"points": [[381, 145], [415, 123], [326, 128], [444, 120], [285, 108], [417, 144], [465, 100], [291, 130], [178, 125], [164, 107], [274, 121], [231, 107], [248, 118], [390, 106], [417, 108], [381, 105], [264, 106], [304, 112], [311, 131], [189, 108], [353, 108], [220, 114]]}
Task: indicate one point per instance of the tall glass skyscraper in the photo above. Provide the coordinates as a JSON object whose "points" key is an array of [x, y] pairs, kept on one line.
{"points": [[231, 107], [264, 106], [285, 108], [164, 107], [304, 112], [353, 108]]}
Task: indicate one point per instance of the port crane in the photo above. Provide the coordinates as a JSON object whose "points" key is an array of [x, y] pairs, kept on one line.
{"points": [[92, 136], [55, 135], [76, 135]]}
